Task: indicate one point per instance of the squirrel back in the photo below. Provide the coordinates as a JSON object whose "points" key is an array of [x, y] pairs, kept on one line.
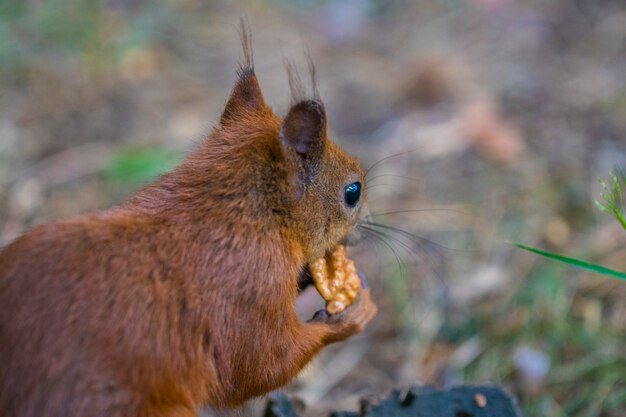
{"points": [[185, 295]]}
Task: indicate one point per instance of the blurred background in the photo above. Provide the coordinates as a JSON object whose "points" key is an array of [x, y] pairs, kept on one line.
{"points": [[488, 121]]}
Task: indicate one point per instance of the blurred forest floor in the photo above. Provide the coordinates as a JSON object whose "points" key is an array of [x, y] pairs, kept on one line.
{"points": [[502, 115]]}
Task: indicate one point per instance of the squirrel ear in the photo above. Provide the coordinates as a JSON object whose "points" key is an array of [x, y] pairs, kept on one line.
{"points": [[304, 129], [246, 96]]}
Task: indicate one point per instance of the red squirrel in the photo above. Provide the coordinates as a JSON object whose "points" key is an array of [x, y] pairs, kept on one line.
{"points": [[184, 296]]}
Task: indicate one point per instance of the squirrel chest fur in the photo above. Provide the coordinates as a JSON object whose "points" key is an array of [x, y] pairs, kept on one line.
{"points": [[185, 295]]}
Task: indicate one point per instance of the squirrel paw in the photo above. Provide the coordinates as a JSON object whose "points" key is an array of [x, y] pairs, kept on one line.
{"points": [[350, 321]]}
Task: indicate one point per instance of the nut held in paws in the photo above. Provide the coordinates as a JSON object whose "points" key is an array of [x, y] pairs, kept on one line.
{"points": [[336, 279]]}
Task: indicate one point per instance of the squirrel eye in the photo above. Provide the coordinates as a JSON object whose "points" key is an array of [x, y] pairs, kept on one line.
{"points": [[352, 193]]}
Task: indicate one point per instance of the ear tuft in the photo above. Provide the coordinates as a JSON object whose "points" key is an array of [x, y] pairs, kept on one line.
{"points": [[296, 86], [313, 75], [304, 129], [246, 94], [245, 33]]}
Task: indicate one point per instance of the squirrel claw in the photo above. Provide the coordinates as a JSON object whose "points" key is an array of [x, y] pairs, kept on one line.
{"points": [[363, 280], [319, 316]]}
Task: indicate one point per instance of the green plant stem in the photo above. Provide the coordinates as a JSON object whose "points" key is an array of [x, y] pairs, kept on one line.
{"points": [[577, 263]]}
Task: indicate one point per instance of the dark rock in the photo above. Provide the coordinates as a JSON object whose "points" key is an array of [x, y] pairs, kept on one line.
{"points": [[463, 401], [278, 405]]}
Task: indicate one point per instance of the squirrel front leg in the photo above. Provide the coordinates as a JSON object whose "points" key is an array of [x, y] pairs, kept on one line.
{"points": [[292, 348]]}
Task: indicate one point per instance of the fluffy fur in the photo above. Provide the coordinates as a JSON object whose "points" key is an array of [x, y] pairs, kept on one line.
{"points": [[184, 296]]}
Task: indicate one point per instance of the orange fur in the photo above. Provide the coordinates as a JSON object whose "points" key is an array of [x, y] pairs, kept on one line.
{"points": [[184, 296]]}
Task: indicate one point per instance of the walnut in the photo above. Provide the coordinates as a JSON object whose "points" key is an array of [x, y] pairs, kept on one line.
{"points": [[336, 279]]}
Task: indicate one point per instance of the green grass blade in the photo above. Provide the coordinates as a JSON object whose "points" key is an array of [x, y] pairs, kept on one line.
{"points": [[577, 263], [612, 201], [617, 192], [621, 219]]}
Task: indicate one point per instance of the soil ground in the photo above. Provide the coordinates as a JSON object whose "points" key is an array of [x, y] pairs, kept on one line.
{"points": [[502, 116]]}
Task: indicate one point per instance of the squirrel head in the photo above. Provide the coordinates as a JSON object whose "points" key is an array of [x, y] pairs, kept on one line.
{"points": [[278, 173], [327, 183]]}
